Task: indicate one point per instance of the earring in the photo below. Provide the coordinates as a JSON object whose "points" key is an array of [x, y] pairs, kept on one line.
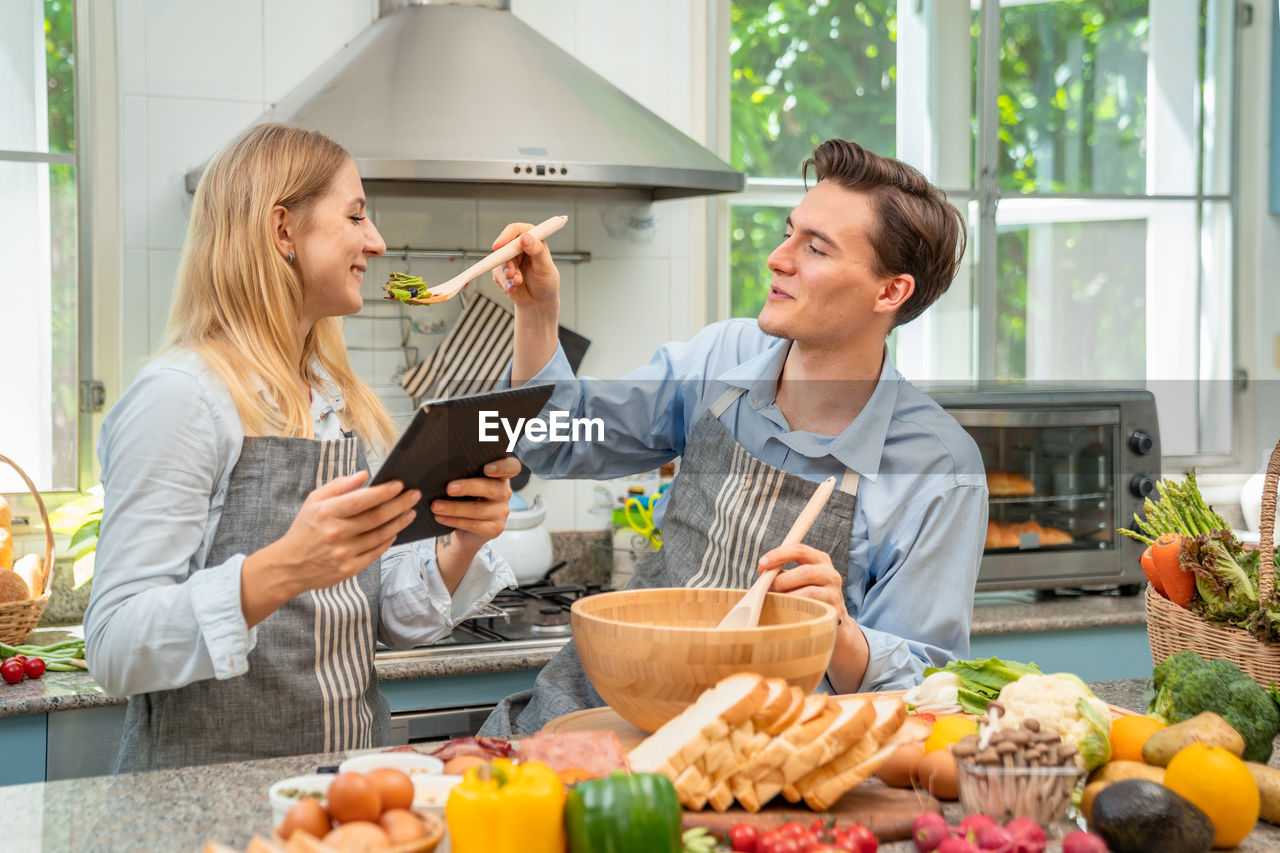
{"points": [[290, 258]]}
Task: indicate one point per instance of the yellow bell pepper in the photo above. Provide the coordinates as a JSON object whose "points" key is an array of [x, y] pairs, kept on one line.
{"points": [[503, 807]]}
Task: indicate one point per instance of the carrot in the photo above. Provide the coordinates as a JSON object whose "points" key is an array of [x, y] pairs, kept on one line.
{"points": [[1179, 585], [1149, 569]]}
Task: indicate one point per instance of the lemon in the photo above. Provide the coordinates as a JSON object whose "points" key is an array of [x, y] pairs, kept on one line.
{"points": [[948, 730]]}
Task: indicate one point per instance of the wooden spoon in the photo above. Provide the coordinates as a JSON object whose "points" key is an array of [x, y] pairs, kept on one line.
{"points": [[492, 261], [746, 613]]}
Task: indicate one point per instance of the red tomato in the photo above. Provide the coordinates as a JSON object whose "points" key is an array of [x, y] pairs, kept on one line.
{"points": [[792, 829], [767, 840], [11, 671], [744, 838], [819, 827], [865, 837], [20, 658], [823, 847], [34, 667], [787, 845]]}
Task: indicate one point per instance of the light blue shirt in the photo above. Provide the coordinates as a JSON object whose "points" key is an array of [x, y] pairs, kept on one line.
{"points": [[921, 510], [159, 617]]}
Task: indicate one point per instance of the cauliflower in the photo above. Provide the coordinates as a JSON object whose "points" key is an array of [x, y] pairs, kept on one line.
{"points": [[1062, 705]]}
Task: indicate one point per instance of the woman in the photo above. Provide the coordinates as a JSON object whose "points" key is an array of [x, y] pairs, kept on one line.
{"points": [[242, 572]]}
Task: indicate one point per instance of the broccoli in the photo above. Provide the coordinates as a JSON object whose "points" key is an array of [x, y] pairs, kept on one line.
{"points": [[1187, 684]]}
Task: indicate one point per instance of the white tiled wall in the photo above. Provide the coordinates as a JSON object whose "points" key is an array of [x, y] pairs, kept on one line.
{"points": [[193, 73]]}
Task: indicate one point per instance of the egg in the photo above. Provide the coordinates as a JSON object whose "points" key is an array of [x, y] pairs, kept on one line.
{"points": [[351, 797], [306, 814], [359, 836], [937, 774], [402, 826], [899, 769], [394, 787], [461, 764]]}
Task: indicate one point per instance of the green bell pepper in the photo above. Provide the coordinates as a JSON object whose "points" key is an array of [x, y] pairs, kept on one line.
{"points": [[623, 813]]}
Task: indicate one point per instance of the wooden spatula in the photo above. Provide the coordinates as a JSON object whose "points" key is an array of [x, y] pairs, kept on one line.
{"points": [[746, 613], [492, 261]]}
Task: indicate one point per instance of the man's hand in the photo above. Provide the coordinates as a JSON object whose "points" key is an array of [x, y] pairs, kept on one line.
{"points": [[531, 278], [813, 577]]}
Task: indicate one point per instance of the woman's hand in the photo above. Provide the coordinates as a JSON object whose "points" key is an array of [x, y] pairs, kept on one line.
{"points": [[474, 522], [531, 278], [340, 529]]}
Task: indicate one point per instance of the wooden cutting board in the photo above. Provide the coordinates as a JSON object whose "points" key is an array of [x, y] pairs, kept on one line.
{"points": [[888, 812]]}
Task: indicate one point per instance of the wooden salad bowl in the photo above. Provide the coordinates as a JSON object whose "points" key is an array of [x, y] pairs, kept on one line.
{"points": [[651, 652]]}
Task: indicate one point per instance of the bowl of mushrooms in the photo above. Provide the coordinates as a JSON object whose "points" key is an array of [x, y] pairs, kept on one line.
{"points": [[1023, 772]]}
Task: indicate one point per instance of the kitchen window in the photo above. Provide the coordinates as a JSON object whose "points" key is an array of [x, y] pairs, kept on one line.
{"points": [[41, 343], [1090, 143]]}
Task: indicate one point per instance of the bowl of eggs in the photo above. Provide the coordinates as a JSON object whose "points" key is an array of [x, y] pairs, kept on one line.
{"points": [[359, 811]]}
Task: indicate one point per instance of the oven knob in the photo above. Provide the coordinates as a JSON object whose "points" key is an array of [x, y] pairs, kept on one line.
{"points": [[1141, 443], [1142, 486]]}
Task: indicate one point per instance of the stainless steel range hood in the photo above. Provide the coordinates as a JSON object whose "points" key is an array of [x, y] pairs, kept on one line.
{"points": [[460, 99]]}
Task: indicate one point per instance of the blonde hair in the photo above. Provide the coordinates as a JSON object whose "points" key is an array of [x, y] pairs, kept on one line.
{"points": [[237, 301]]}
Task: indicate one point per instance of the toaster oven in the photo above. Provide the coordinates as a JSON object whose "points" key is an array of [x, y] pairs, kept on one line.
{"points": [[1066, 468]]}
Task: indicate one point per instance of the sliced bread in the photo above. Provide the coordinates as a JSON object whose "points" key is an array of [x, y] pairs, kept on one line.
{"points": [[687, 736]]}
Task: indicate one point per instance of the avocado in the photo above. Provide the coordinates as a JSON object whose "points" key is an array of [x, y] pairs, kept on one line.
{"points": [[1137, 815]]}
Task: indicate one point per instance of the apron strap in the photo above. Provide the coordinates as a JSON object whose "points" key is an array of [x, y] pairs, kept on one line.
{"points": [[725, 401], [848, 484]]}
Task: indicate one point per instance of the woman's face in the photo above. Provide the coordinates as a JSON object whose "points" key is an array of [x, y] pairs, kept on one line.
{"points": [[333, 248]]}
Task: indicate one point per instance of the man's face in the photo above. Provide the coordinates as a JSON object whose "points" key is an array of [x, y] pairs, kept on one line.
{"points": [[824, 286]]}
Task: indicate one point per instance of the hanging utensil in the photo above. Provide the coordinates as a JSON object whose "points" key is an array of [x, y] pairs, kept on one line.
{"points": [[746, 613], [450, 288], [640, 518]]}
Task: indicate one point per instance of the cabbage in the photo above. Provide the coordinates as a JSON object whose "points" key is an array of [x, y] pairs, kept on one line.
{"points": [[1095, 744]]}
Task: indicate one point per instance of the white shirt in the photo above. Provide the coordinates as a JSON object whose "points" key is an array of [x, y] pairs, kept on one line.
{"points": [[159, 617]]}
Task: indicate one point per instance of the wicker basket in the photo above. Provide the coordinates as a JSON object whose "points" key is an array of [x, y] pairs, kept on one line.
{"points": [[1172, 628], [19, 618]]}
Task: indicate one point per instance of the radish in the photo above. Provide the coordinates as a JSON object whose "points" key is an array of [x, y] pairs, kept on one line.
{"points": [[957, 845], [972, 824], [1083, 842], [928, 831], [993, 837], [1027, 835]]}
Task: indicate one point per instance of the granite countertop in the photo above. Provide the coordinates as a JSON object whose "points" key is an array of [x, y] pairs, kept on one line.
{"points": [[1026, 611], [993, 613], [179, 810]]}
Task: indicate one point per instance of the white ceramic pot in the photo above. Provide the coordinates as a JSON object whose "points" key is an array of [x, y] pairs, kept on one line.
{"points": [[526, 543]]}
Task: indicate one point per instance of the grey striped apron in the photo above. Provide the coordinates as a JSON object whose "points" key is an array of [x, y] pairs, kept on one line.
{"points": [[311, 685], [726, 510]]}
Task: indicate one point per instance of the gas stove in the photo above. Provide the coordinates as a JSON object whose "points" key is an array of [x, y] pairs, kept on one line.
{"points": [[526, 617]]}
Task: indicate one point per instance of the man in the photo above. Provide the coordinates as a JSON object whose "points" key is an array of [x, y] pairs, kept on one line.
{"points": [[759, 412]]}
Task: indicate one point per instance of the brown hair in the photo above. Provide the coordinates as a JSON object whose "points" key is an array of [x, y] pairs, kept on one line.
{"points": [[919, 234], [237, 301]]}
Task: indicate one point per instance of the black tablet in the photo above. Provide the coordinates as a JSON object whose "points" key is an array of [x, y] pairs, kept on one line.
{"points": [[454, 439]]}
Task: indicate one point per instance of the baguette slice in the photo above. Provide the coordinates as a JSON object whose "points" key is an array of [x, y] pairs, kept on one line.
{"points": [[31, 569], [819, 711], [686, 737], [890, 715], [789, 716], [841, 776], [850, 725]]}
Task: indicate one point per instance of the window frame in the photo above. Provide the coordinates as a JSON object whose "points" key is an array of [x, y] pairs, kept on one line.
{"points": [[97, 214], [982, 201]]}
